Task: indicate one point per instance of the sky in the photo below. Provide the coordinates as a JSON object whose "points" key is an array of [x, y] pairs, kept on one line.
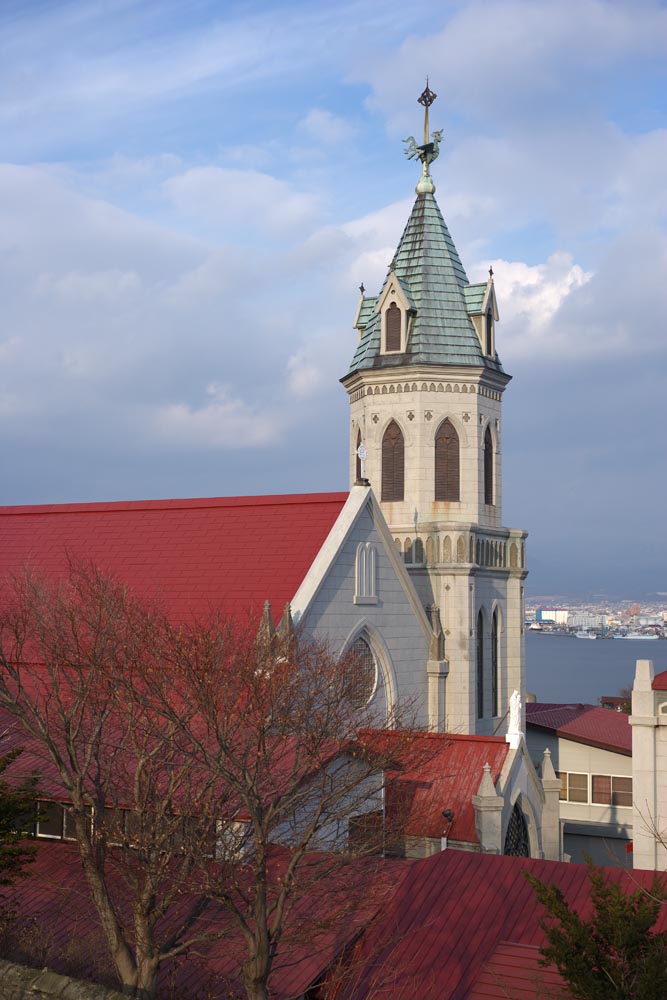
{"points": [[191, 194]]}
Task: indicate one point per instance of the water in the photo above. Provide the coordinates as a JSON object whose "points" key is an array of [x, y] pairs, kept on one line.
{"points": [[564, 669]]}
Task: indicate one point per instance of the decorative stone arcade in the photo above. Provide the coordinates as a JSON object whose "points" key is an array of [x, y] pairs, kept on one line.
{"points": [[426, 388]]}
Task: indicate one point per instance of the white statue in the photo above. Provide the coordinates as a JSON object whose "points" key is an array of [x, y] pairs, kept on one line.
{"points": [[362, 455], [514, 727]]}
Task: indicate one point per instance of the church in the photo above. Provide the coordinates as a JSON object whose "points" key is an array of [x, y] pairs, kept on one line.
{"points": [[412, 567]]}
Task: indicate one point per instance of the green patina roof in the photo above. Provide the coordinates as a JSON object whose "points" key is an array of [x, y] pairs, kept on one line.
{"points": [[474, 298], [432, 276], [366, 312]]}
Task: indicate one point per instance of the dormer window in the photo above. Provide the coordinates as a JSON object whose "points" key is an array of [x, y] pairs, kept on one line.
{"points": [[489, 333], [393, 328]]}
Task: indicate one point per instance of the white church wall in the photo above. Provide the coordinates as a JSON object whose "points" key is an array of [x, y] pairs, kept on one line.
{"points": [[393, 629]]}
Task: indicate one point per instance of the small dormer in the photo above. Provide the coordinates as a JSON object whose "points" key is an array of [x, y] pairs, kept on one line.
{"points": [[396, 308], [483, 311], [365, 311]]}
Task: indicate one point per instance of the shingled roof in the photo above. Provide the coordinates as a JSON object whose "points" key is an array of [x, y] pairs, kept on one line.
{"points": [[193, 556], [588, 724], [431, 274]]}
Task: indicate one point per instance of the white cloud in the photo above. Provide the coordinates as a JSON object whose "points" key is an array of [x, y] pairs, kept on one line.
{"points": [[101, 286], [325, 127], [223, 197], [225, 422]]}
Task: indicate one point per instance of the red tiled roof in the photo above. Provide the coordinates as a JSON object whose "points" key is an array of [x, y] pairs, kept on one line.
{"points": [[660, 681], [599, 727], [448, 916], [194, 556], [446, 774]]}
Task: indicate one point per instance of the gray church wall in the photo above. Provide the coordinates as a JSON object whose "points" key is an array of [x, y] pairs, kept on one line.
{"points": [[390, 625]]}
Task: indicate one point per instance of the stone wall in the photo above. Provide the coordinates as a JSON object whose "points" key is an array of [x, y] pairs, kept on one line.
{"points": [[20, 983]]}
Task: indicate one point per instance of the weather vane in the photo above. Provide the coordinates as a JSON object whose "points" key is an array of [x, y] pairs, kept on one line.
{"points": [[429, 150]]}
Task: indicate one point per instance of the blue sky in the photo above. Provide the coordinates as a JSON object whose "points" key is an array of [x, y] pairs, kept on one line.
{"points": [[190, 195]]}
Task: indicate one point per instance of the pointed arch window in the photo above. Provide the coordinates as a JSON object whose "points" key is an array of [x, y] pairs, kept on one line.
{"points": [[480, 665], [361, 673], [517, 841], [495, 661], [489, 332], [488, 467], [447, 464], [393, 463], [358, 460], [393, 328]]}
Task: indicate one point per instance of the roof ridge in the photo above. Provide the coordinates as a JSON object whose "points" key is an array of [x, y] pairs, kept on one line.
{"points": [[178, 503]]}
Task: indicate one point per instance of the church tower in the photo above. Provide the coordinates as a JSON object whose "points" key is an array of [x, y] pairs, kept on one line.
{"points": [[426, 387]]}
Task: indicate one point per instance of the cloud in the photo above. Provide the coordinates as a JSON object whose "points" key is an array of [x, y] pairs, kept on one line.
{"points": [[227, 200], [225, 422], [327, 128]]}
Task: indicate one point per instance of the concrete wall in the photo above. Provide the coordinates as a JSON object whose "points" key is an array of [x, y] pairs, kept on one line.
{"points": [[20, 983]]}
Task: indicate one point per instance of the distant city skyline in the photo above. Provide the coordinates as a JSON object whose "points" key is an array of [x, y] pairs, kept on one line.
{"points": [[191, 195]]}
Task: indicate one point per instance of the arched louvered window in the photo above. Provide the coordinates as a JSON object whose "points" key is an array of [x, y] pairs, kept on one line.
{"points": [[447, 474], [480, 665], [358, 476], [495, 661], [488, 467], [393, 463], [489, 332], [392, 319]]}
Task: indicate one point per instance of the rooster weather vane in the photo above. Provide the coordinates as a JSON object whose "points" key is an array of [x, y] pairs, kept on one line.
{"points": [[430, 148]]}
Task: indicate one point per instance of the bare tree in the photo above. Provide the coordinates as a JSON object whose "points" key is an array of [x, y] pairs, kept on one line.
{"points": [[202, 764]]}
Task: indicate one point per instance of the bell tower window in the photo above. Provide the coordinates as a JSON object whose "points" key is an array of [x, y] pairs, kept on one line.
{"points": [[393, 463], [488, 468], [489, 333], [393, 328], [447, 475], [480, 665]]}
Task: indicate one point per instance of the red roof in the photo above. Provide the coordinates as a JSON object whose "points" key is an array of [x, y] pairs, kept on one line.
{"points": [[446, 773], [660, 681], [53, 894], [449, 915], [589, 724], [194, 556], [514, 971]]}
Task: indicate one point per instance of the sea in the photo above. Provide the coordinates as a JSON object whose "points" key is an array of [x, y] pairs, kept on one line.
{"points": [[564, 669]]}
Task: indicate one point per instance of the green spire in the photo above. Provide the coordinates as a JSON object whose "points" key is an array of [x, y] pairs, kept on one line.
{"points": [[431, 275]]}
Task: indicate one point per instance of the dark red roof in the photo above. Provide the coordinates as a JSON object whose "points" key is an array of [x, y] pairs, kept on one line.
{"points": [[660, 681], [54, 894], [446, 773], [449, 915], [589, 724], [194, 556], [514, 971]]}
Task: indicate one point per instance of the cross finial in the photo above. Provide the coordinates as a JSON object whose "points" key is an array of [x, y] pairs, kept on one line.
{"points": [[491, 271], [361, 288]]}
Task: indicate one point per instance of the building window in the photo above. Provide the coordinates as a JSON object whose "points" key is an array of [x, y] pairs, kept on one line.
{"points": [[393, 463], [517, 842], [489, 332], [392, 319], [356, 455], [480, 665], [488, 467], [495, 639], [447, 475], [573, 787], [365, 833], [611, 790], [361, 674], [51, 822], [365, 575]]}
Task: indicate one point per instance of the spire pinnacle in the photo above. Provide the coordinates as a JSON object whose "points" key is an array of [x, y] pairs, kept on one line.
{"points": [[429, 150]]}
